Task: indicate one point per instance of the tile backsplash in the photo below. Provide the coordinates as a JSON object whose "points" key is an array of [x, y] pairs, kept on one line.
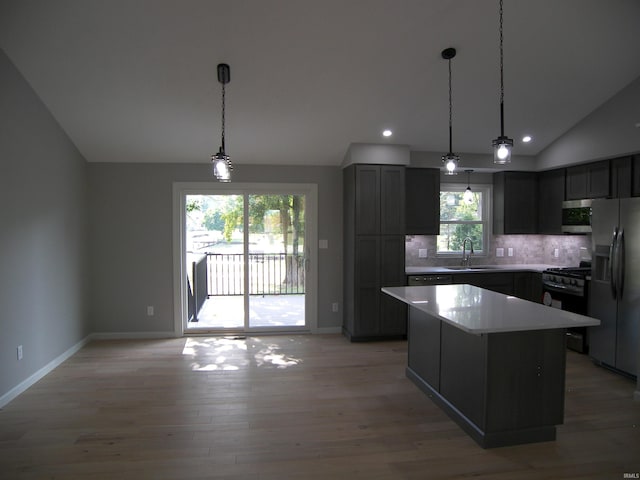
{"points": [[526, 249]]}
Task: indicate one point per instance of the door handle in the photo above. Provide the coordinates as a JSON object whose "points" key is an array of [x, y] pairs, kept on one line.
{"points": [[620, 268]]}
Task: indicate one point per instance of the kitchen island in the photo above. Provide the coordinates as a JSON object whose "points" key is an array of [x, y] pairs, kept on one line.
{"points": [[493, 362]]}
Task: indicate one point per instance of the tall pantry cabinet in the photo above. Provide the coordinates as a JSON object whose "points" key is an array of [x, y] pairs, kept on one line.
{"points": [[374, 233]]}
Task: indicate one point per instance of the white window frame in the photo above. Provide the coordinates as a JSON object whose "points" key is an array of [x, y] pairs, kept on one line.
{"points": [[487, 194]]}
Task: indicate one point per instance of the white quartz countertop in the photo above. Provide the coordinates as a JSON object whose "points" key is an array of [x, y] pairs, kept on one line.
{"points": [[524, 267], [477, 310]]}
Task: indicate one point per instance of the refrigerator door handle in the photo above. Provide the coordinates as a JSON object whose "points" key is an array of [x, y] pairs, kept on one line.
{"points": [[620, 261], [612, 262]]}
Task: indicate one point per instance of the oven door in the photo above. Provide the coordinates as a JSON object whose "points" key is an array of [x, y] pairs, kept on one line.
{"points": [[557, 297]]}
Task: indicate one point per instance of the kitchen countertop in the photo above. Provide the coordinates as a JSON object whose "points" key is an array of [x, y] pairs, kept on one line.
{"points": [[477, 310], [528, 267]]}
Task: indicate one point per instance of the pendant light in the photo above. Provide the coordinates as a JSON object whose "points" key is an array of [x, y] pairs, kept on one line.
{"points": [[502, 145], [221, 162], [467, 197], [450, 160]]}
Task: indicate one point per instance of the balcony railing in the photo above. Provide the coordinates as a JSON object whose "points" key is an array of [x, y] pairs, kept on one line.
{"points": [[269, 274]]}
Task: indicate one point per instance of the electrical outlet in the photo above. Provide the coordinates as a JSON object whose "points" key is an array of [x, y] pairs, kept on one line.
{"points": [[422, 253], [150, 311], [334, 307], [510, 252], [19, 352], [556, 253], [499, 252]]}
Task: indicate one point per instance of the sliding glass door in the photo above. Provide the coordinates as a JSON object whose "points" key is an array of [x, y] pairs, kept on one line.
{"points": [[246, 259]]}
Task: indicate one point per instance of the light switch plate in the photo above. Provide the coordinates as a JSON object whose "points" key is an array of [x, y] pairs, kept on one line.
{"points": [[510, 252], [499, 252], [422, 253]]}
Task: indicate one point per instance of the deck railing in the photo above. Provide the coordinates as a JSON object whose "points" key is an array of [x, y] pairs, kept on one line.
{"points": [[269, 274]]}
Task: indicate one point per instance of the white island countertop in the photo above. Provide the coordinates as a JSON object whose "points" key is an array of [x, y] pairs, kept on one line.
{"points": [[477, 310]]}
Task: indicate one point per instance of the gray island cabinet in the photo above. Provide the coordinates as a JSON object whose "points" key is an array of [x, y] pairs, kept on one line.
{"points": [[493, 362]]}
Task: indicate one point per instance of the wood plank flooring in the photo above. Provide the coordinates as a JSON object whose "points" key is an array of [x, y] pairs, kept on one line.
{"points": [[279, 407]]}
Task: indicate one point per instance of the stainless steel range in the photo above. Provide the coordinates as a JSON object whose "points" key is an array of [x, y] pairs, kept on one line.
{"points": [[567, 289]]}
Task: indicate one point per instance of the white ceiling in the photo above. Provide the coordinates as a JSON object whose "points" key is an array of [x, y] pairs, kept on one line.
{"points": [[135, 80]]}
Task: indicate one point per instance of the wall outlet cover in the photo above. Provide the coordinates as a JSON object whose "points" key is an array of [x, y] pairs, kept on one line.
{"points": [[422, 253]]}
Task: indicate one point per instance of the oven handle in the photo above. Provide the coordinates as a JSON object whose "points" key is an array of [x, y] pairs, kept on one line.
{"points": [[557, 287]]}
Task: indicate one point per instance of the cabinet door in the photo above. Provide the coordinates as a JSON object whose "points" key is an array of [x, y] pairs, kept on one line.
{"points": [[588, 181], [550, 197], [515, 203], [528, 286], [635, 173], [392, 188], [501, 282], [576, 183], [422, 201], [367, 286], [393, 313], [598, 185], [367, 199], [621, 177]]}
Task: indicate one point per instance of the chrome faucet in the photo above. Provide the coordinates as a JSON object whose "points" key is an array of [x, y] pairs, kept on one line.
{"points": [[466, 259]]}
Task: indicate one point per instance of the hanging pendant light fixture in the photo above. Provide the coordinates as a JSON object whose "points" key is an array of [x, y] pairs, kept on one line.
{"points": [[502, 145], [450, 160], [221, 162], [467, 197]]}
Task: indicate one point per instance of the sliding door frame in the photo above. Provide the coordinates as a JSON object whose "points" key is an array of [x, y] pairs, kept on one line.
{"points": [[182, 189]]}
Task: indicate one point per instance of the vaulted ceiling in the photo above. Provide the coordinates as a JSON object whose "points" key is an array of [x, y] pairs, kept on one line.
{"points": [[135, 80]]}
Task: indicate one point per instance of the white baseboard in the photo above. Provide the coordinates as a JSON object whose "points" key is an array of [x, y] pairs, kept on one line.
{"points": [[25, 384], [131, 335]]}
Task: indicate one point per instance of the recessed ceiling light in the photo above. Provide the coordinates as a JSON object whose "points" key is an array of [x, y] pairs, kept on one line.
{"points": [[387, 133], [526, 138]]}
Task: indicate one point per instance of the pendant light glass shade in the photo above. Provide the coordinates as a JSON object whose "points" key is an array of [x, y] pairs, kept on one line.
{"points": [[467, 197], [450, 160], [450, 163], [221, 161], [502, 145], [502, 150]]}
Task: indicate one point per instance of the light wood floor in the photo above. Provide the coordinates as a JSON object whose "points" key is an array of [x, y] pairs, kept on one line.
{"points": [[309, 407]]}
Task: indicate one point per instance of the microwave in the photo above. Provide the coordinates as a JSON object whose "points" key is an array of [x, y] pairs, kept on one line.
{"points": [[576, 216]]}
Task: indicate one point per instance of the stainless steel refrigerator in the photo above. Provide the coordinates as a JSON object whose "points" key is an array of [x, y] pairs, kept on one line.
{"points": [[615, 284]]}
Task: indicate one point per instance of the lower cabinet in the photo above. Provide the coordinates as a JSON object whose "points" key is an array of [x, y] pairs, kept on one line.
{"points": [[378, 261], [501, 282]]}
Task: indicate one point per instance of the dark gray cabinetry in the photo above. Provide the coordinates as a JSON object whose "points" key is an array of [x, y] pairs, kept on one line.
{"points": [[424, 355], [528, 286], [591, 180], [374, 251], [422, 201], [621, 179], [635, 174], [514, 203], [550, 198], [501, 282], [501, 388]]}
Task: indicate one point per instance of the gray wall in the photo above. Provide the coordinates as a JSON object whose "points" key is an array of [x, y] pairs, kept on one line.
{"points": [[609, 131], [42, 236], [130, 233]]}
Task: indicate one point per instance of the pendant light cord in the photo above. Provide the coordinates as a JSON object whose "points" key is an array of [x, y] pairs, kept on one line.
{"points": [[501, 77], [450, 112], [223, 116]]}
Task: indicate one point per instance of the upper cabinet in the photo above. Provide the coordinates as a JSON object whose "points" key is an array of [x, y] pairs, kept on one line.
{"points": [[515, 203], [591, 180], [550, 197], [379, 199], [635, 167], [422, 201], [621, 179]]}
